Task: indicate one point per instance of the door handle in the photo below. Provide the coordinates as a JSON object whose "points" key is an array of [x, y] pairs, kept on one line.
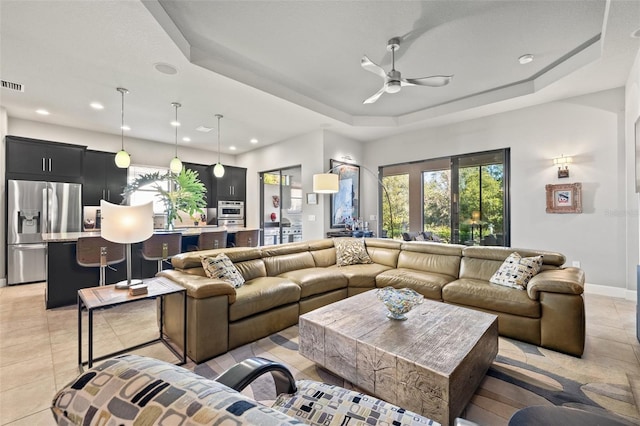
{"points": [[43, 164], [49, 164], [103, 194], [108, 195]]}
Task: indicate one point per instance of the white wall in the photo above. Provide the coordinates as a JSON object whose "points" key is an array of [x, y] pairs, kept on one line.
{"points": [[632, 113], [589, 128]]}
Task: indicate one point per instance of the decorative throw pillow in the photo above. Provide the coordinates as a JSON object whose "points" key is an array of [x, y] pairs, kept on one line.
{"points": [[420, 237], [516, 271], [222, 267], [351, 251]]}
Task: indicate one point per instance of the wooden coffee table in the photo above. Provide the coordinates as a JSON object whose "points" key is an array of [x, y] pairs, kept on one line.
{"points": [[431, 363]]}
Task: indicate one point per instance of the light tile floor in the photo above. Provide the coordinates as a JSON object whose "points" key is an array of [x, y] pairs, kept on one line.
{"points": [[38, 347]]}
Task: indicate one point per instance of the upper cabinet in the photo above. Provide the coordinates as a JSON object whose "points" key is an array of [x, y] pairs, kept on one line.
{"points": [[233, 185], [32, 159], [205, 176], [103, 180]]}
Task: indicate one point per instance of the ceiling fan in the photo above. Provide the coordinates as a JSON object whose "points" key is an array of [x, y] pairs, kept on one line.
{"points": [[393, 80]]}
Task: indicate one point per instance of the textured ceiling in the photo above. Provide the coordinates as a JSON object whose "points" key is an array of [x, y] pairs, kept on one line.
{"points": [[277, 69]]}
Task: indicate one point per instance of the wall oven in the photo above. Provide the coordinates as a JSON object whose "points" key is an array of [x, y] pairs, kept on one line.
{"points": [[230, 210]]}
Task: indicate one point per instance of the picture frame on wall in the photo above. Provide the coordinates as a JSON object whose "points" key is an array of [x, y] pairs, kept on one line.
{"points": [[312, 198], [564, 198], [345, 204], [637, 128]]}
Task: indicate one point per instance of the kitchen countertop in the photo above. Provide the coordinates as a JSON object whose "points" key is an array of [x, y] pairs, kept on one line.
{"points": [[60, 237]]}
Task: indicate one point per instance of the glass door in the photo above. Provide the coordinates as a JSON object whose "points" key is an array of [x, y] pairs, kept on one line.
{"points": [[479, 200], [395, 209], [281, 206]]}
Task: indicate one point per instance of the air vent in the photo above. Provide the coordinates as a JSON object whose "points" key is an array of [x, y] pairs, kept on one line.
{"points": [[12, 86]]}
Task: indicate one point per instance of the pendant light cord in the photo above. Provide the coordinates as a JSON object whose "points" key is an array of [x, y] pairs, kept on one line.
{"points": [[176, 105], [219, 117], [122, 122]]}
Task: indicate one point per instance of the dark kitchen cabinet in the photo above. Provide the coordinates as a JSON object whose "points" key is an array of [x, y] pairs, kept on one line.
{"points": [[103, 180], [206, 177], [33, 159], [233, 185]]}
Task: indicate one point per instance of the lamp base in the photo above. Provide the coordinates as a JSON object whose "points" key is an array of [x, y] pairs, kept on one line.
{"points": [[126, 284]]}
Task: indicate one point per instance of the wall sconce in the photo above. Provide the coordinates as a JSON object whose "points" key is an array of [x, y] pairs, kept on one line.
{"points": [[563, 165]]}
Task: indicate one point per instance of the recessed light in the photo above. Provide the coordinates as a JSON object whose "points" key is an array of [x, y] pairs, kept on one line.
{"points": [[96, 105], [42, 112], [232, 148], [525, 59], [636, 33], [175, 123], [204, 129], [186, 139], [254, 141], [165, 68], [125, 127]]}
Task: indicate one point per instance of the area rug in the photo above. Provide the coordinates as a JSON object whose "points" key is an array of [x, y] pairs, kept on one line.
{"points": [[522, 375]]}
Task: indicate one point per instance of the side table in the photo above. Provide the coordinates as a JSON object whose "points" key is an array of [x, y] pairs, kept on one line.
{"points": [[108, 296]]}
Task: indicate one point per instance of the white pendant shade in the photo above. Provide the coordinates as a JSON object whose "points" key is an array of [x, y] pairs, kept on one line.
{"points": [[218, 170], [326, 183], [123, 159], [126, 224], [175, 165]]}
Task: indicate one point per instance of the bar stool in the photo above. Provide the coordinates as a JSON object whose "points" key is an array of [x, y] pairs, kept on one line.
{"points": [[161, 247], [212, 240], [96, 251], [248, 238]]}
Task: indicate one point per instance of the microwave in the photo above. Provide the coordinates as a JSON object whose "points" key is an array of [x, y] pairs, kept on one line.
{"points": [[230, 209]]}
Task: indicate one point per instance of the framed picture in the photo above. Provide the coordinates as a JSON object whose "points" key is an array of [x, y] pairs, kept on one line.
{"points": [[345, 204], [312, 198], [638, 155], [564, 198]]}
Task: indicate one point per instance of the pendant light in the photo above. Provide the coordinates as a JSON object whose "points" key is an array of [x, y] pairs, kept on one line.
{"points": [[176, 165], [218, 169], [122, 157]]}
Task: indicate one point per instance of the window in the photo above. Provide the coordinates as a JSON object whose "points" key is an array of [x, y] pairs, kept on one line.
{"points": [[463, 199], [148, 192]]}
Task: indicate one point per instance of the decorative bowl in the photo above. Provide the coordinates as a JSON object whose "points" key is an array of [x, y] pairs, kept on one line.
{"points": [[399, 301]]}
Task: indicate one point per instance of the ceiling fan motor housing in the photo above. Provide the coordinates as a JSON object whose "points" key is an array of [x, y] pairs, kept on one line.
{"points": [[393, 81]]}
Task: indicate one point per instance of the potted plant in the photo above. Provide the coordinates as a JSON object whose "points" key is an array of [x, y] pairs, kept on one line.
{"points": [[185, 192]]}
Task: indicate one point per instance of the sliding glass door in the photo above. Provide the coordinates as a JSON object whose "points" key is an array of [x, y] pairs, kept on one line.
{"points": [[462, 199], [281, 206]]}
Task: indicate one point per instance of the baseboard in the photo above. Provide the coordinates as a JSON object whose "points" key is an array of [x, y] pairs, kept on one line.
{"points": [[605, 290], [3, 282]]}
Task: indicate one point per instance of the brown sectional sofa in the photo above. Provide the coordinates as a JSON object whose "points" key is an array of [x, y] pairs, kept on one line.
{"points": [[288, 280]]}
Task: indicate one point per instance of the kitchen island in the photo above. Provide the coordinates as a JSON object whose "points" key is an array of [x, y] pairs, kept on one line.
{"points": [[65, 277]]}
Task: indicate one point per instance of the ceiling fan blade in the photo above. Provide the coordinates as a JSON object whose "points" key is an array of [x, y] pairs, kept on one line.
{"points": [[370, 66], [432, 81], [375, 97]]}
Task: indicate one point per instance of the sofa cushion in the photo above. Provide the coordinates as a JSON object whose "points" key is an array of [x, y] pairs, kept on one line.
{"points": [[428, 284], [279, 264], [319, 404], [429, 262], [222, 268], [482, 294], [516, 271], [262, 294], [130, 389], [316, 280], [362, 275], [351, 251]]}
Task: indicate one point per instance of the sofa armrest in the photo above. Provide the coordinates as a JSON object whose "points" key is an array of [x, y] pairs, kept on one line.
{"points": [[244, 373], [200, 287], [566, 280]]}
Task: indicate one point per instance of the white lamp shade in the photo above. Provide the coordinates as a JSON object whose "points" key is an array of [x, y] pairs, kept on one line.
{"points": [[175, 165], [218, 170], [122, 159], [326, 183], [562, 160], [126, 224]]}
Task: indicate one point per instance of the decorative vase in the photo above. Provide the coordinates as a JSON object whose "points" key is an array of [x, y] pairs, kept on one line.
{"points": [[399, 301]]}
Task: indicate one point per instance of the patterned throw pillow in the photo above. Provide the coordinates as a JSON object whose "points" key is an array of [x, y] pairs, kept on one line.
{"points": [[222, 267], [351, 251], [516, 271], [318, 403]]}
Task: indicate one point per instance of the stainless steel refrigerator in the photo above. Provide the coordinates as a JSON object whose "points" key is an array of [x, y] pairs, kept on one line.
{"points": [[34, 208]]}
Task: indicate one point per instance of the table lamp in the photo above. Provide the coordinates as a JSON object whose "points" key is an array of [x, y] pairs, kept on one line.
{"points": [[126, 225]]}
